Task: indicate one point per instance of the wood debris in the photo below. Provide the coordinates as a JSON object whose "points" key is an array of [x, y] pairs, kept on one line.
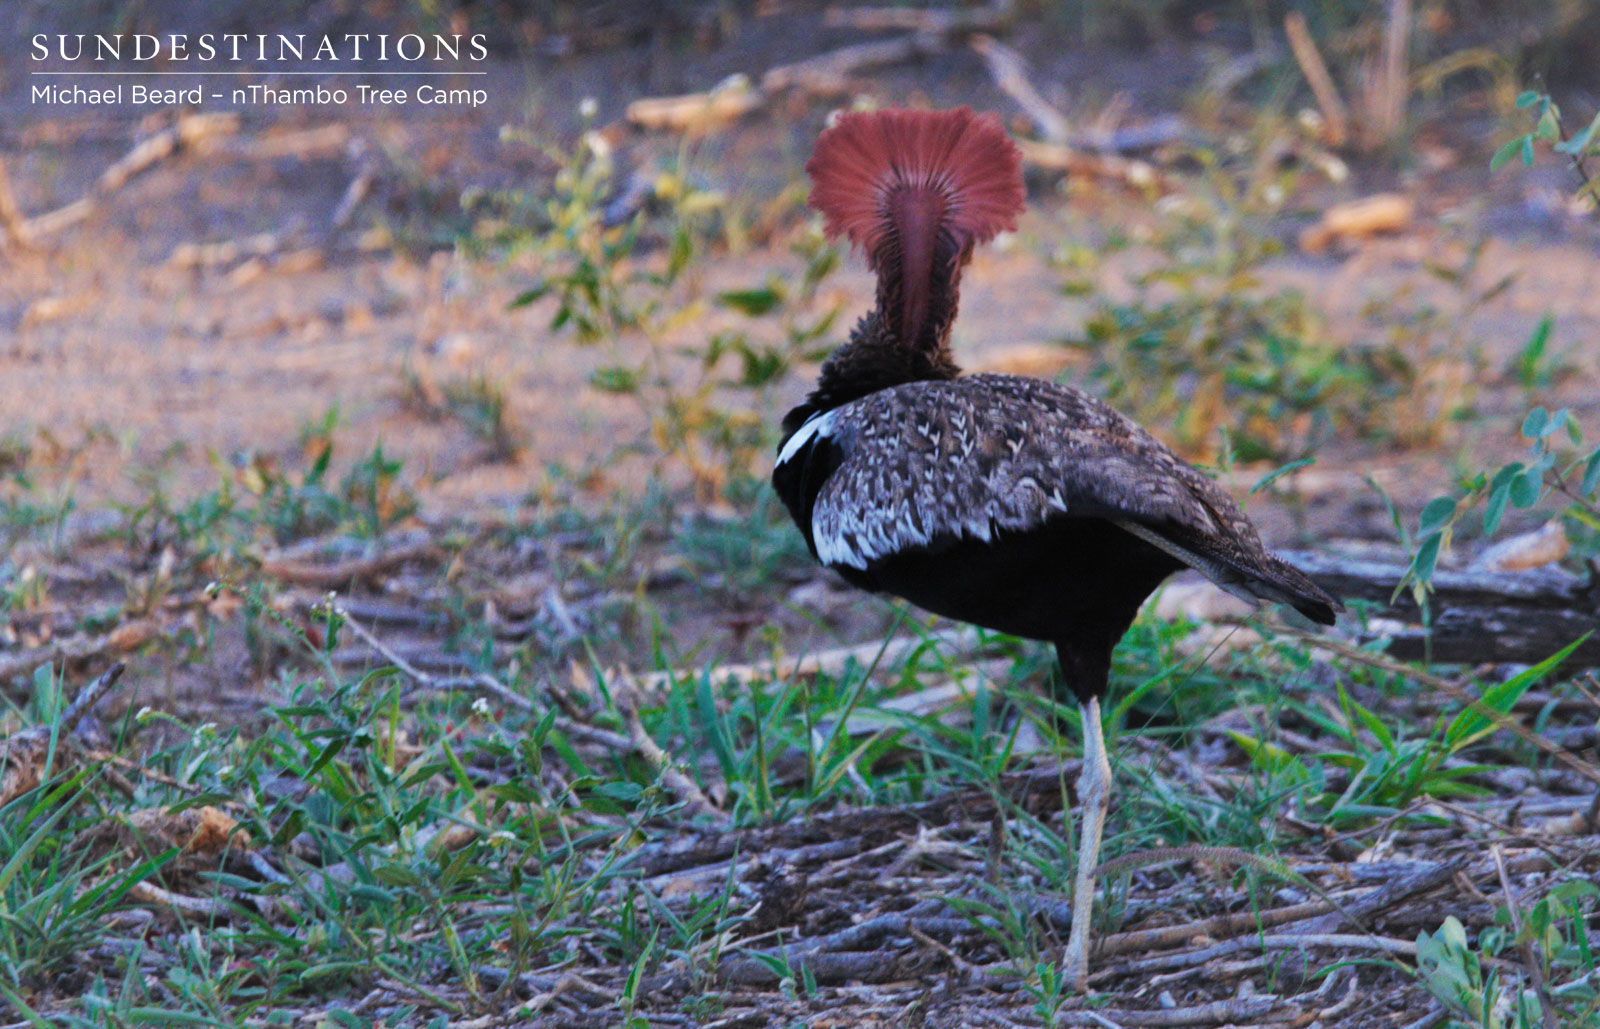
{"points": [[190, 130], [828, 74], [697, 114], [1359, 219], [1478, 616], [1335, 116], [1010, 72], [25, 756], [1546, 545]]}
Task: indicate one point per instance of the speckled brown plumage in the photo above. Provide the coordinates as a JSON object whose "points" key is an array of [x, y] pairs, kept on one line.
{"points": [[1018, 504], [1013, 503]]}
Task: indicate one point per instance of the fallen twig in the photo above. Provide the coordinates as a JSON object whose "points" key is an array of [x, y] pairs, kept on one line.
{"points": [[206, 907], [643, 744], [1334, 113], [189, 130], [826, 74], [1053, 157], [888, 654], [1530, 959], [1478, 616], [25, 753], [1010, 72], [637, 741], [341, 574], [991, 17], [12, 220], [1268, 942]]}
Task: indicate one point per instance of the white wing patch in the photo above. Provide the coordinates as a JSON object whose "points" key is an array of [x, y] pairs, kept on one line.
{"points": [[817, 425], [858, 537]]}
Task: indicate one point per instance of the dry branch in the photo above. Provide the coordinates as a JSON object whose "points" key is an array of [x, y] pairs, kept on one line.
{"points": [[887, 653], [637, 741], [23, 755], [1050, 157], [1358, 219], [827, 74], [212, 255], [1010, 72], [12, 221], [1389, 86], [832, 73], [204, 907], [190, 130], [942, 21], [1267, 942], [360, 185], [697, 113], [1334, 112], [323, 140], [342, 573], [686, 789], [1479, 617]]}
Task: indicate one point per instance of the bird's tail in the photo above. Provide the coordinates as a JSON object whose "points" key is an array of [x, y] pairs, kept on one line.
{"points": [[1261, 578], [916, 190]]}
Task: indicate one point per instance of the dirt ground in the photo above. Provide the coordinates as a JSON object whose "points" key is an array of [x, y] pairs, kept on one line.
{"points": [[126, 361], [129, 361]]}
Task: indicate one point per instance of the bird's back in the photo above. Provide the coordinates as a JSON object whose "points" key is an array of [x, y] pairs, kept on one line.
{"points": [[999, 463]]}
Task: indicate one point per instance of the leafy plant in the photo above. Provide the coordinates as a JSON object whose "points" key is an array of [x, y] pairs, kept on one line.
{"points": [[620, 284], [1205, 345], [1559, 465], [1548, 131]]}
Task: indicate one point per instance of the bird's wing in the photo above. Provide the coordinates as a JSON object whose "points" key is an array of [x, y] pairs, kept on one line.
{"points": [[926, 463]]}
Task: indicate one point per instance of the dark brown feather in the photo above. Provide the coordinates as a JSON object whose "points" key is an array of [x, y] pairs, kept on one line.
{"points": [[1018, 504]]}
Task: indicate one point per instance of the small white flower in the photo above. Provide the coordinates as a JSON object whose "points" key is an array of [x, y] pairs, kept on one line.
{"points": [[588, 107], [145, 714], [481, 706]]}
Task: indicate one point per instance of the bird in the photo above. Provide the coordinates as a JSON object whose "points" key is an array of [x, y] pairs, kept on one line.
{"points": [[1017, 504]]}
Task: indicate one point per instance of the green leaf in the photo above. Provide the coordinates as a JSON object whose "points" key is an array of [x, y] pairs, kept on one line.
{"points": [[1527, 151], [1505, 154], [1277, 473], [752, 302], [1470, 726], [1533, 425], [1527, 487], [530, 295], [1548, 129], [615, 379], [1264, 755], [372, 894], [1527, 98], [1436, 515], [1427, 557], [1591, 473], [1579, 143], [623, 792], [1495, 509]]}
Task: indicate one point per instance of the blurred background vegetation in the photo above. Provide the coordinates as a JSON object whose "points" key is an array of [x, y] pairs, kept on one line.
{"points": [[506, 380]]}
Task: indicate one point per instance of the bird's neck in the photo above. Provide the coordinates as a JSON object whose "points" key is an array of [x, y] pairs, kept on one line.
{"points": [[876, 359]]}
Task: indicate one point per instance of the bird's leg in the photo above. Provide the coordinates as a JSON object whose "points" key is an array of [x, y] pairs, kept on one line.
{"points": [[1094, 793]]}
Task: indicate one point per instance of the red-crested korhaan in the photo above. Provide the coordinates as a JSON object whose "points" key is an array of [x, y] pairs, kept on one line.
{"points": [[1016, 504]]}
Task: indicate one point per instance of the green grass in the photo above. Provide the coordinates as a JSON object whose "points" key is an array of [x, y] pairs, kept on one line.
{"points": [[451, 853], [556, 800]]}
